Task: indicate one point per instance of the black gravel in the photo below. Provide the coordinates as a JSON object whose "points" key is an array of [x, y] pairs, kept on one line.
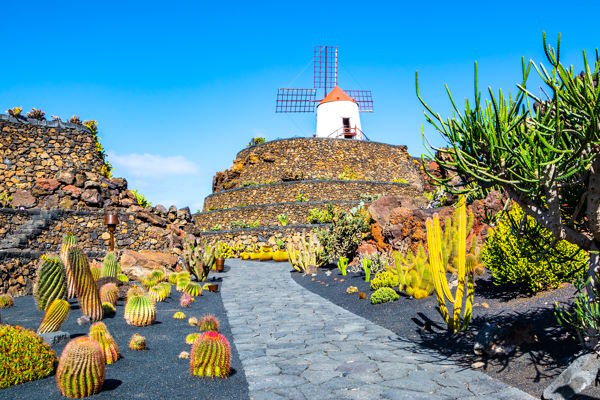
{"points": [[156, 373], [531, 368]]}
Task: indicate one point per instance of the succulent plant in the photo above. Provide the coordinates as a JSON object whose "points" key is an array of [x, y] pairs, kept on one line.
{"points": [[179, 315], [51, 281], [183, 278], [385, 278], [384, 295], [96, 270], [6, 300], [158, 276], [137, 342], [25, 356], [185, 300], [139, 309], [209, 323], [109, 293], [193, 289], [184, 355], [110, 266], [69, 240], [55, 315], [157, 293], [100, 334], [108, 309], [173, 278], [81, 368], [210, 356], [191, 338], [85, 286], [351, 290], [193, 321], [122, 278]]}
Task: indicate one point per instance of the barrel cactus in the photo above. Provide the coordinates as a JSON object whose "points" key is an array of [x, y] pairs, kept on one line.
{"points": [[110, 266], [160, 291], [55, 315], [100, 334], [85, 286], [96, 270], [193, 289], [179, 315], [139, 309], [185, 300], [51, 281], [193, 321], [6, 300], [210, 356], [191, 338], [183, 278], [69, 240], [137, 342], [109, 293], [81, 368], [209, 323], [173, 278]]}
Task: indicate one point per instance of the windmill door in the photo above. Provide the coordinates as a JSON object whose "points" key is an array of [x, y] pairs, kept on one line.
{"points": [[347, 130]]}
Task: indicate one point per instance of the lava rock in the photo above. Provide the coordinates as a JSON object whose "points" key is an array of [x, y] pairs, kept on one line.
{"points": [[575, 379], [53, 338]]}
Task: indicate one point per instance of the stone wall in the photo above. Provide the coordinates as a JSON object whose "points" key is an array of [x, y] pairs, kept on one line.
{"points": [[313, 190], [318, 158]]}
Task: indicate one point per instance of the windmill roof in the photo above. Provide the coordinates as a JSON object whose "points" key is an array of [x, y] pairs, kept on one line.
{"points": [[337, 94]]}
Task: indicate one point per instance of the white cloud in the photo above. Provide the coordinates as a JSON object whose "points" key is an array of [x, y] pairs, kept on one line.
{"points": [[152, 165]]}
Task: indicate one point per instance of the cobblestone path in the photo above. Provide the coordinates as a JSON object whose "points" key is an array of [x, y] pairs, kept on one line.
{"points": [[296, 345]]}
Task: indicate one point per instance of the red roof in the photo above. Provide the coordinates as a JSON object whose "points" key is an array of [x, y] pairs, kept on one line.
{"points": [[337, 94]]}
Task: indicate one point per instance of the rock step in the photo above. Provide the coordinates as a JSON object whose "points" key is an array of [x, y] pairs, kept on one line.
{"points": [[30, 229]]}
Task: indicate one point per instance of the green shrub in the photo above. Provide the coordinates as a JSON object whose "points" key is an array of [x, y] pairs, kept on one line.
{"points": [[529, 259], [348, 175], [345, 234], [141, 200], [384, 279], [301, 197], [25, 356], [325, 216], [5, 200], [255, 141], [384, 295]]}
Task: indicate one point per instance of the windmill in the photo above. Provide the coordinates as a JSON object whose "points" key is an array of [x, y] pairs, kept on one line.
{"points": [[338, 111]]}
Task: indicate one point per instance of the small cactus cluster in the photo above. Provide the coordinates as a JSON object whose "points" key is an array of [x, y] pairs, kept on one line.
{"points": [[384, 295], [110, 266], [387, 278], [85, 286], [139, 309], [137, 342], [100, 334], [210, 356], [179, 315], [194, 289], [191, 338], [69, 240], [81, 368], [55, 315], [6, 300], [109, 293], [183, 278], [209, 323], [51, 281], [185, 300], [160, 291]]}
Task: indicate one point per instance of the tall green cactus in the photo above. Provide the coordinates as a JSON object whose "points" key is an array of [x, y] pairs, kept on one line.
{"points": [[55, 315], [85, 286], [139, 309], [51, 281], [110, 266], [81, 368], [69, 240], [442, 289], [99, 332], [198, 259], [210, 356], [306, 256]]}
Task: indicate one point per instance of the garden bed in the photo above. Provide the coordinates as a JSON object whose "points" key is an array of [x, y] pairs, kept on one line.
{"points": [[531, 368], [154, 373]]}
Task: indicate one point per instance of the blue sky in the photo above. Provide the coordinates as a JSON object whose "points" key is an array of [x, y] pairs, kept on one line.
{"points": [[178, 88]]}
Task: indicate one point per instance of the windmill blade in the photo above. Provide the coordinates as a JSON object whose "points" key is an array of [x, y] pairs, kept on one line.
{"points": [[364, 98], [295, 100], [326, 67]]}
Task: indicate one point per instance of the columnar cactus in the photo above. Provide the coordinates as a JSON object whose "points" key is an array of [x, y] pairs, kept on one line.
{"points": [[55, 315], [87, 294], [69, 240], [139, 309], [100, 334], [210, 356], [6, 300], [209, 323], [81, 368], [51, 281], [137, 342], [109, 293], [193, 289], [110, 267]]}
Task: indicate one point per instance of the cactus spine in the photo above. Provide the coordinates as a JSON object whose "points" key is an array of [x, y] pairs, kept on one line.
{"points": [[210, 356], [51, 281], [87, 294], [55, 315], [109, 293], [137, 342], [81, 368], [110, 266], [100, 334], [465, 273], [69, 240], [139, 310]]}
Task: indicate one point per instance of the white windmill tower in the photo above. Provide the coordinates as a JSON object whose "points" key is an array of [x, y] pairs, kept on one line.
{"points": [[338, 112]]}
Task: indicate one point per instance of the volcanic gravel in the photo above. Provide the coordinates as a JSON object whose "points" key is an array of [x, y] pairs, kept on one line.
{"points": [[156, 373], [531, 368]]}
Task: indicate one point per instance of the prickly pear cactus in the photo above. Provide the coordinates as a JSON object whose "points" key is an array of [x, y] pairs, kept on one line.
{"points": [[81, 368], [51, 281], [210, 356], [55, 315]]}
